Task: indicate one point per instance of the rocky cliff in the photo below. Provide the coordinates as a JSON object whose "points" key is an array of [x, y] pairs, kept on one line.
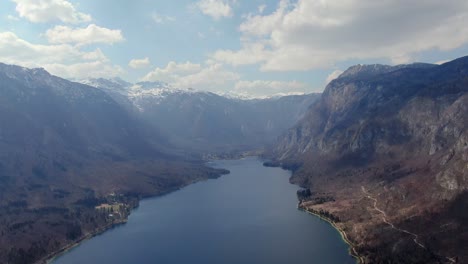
{"points": [[390, 145]]}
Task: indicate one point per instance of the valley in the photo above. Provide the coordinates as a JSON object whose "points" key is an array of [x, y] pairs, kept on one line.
{"points": [[66, 148], [233, 132], [233, 219], [204, 122], [381, 155]]}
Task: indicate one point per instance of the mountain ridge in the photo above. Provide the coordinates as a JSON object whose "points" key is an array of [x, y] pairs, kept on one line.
{"points": [[66, 148], [396, 138], [207, 122]]}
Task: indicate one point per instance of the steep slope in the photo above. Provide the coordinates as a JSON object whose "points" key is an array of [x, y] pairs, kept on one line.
{"points": [[384, 153], [65, 148], [208, 123]]}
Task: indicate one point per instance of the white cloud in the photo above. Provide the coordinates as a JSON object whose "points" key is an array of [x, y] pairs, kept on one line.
{"points": [[83, 36], [38, 53], [261, 25], [261, 8], [215, 8], [250, 54], [139, 63], [40, 11], [313, 34], [172, 72], [213, 78], [332, 76], [12, 18], [161, 19], [209, 77], [262, 88], [84, 70], [62, 59]]}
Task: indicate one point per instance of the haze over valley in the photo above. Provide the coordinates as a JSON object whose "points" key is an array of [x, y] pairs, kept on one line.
{"points": [[248, 131]]}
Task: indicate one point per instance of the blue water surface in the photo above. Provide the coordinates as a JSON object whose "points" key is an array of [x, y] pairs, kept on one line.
{"points": [[248, 216]]}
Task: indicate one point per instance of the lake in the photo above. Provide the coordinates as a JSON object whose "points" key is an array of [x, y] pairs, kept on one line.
{"points": [[248, 216]]}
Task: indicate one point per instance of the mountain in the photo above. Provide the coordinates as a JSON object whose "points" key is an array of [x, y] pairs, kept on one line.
{"points": [[383, 154], [75, 158], [66, 148], [205, 122]]}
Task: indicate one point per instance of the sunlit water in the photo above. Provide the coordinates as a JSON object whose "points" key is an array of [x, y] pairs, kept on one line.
{"points": [[248, 216]]}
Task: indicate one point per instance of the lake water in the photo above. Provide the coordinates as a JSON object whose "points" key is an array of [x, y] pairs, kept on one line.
{"points": [[248, 216]]}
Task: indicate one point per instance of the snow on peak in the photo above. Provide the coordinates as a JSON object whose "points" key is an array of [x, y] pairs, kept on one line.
{"points": [[137, 90], [156, 90], [18, 72], [159, 90], [114, 84], [246, 96], [152, 85]]}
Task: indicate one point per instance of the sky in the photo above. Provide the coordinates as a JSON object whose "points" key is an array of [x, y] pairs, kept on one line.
{"points": [[253, 48]]}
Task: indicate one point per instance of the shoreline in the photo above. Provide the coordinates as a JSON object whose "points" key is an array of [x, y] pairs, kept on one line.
{"points": [[352, 248], [52, 256]]}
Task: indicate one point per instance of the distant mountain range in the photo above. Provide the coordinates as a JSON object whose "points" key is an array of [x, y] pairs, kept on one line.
{"points": [[384, 155], [206, 122]]}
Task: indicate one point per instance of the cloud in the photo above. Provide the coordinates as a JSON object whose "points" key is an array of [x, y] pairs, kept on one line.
{"points": [[261, 8], [250, 54], [161, 19], [12, 18], [210, 77], [312, 34], [216, 77], [139, 63], [50, 10], [216, 9], [263, 25], [172, 72], [84, 70], [262, 88], [332, 76], [38, 53], [60, 59], [83, 36]]}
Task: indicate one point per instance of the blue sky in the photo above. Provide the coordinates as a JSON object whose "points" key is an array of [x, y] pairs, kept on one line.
{"points": [[254, 48]]}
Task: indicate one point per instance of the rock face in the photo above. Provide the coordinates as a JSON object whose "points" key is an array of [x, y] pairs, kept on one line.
{"points": [[397, 135]]}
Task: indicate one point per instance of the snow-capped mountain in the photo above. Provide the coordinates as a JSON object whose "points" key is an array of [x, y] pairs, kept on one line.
{"points": [[114, 85], [57, 115], [207, 121]]}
